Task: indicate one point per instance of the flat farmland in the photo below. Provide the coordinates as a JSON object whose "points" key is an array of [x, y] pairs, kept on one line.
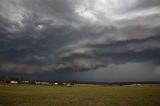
{"points": [[42, 95]]}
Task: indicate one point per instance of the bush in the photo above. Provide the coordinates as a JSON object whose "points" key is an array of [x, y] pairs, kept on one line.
{"points": [[72, 82]]}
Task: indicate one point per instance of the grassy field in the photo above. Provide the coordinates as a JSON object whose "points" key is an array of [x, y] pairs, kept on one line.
{"points": [[40, 95]]}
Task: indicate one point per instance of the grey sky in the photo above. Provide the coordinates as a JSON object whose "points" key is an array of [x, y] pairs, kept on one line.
{"points": [[48, 36]]}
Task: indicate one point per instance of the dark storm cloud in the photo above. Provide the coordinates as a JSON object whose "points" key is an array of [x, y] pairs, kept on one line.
{"points": [[42, 36], [117, 52], [147, 4], [56, 9]]}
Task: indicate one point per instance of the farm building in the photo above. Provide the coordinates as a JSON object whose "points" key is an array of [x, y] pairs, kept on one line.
{"points": [[13, 82]]}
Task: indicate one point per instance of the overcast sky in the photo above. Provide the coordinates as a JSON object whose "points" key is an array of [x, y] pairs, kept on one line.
{"points": [[85, 40]]}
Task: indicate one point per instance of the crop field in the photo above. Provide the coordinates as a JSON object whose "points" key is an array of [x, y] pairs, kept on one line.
{"points": [[43, 95]]}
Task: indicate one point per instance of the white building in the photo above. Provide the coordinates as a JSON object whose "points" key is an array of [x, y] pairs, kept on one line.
{"points": [[13, 82], [55, 83]]}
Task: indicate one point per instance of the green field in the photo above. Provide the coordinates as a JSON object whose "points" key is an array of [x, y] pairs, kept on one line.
{"points": [[41, 95]]}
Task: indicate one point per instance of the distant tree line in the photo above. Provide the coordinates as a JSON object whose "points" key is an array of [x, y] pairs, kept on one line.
{"points": [[7, 80]]}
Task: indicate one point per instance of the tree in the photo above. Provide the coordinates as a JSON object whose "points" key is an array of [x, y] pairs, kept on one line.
{"points": [[18, 79], [72, 82], [2, 79]]}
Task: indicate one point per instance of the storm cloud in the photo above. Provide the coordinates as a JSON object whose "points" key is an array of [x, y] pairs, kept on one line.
{"points": [[39, 36]]}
